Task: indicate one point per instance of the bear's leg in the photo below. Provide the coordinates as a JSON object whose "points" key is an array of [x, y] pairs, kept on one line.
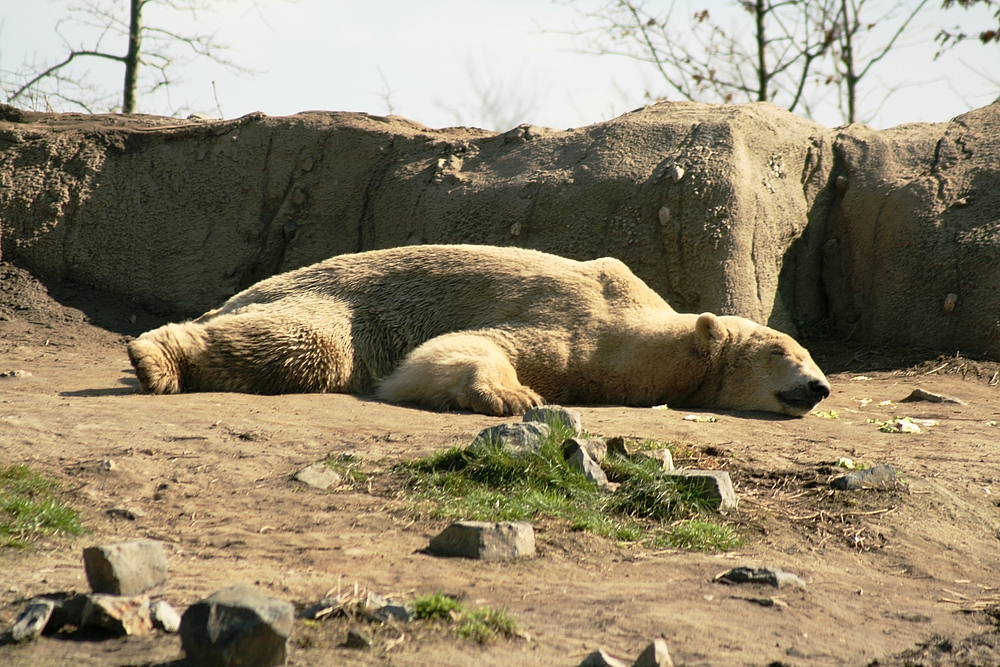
{"points": [[257, 352], [459, 370]]}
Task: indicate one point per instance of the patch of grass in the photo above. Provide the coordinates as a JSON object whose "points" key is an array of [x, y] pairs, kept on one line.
{"points": [[487, 482], [481, 624], [29, 507], [701, 536], [348, 467], [437, 605]]}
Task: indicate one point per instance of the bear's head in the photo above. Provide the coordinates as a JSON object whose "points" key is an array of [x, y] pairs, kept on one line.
{"points": [[758, 368]]}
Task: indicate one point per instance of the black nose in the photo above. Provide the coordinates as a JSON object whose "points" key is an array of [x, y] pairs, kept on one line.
{"points": [[819, 389]]}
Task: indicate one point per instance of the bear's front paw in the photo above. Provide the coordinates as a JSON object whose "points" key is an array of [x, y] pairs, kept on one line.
{"points": [[504, 401]]}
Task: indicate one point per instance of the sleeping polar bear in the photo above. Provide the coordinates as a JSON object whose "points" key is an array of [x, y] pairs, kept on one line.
{"points": [[489, 329]]}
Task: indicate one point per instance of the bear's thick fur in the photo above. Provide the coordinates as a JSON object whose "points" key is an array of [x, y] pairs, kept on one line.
{"points": [[495, 330]]}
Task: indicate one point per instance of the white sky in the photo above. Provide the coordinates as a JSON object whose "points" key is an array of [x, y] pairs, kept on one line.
{"points": [[347, 55]]}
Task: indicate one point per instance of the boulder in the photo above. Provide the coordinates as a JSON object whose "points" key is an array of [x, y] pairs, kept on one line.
{"points": [[504, 540], [237, 626], [126, 568]]}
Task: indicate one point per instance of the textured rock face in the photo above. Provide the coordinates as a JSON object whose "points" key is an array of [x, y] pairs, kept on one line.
{"points": [[742, 209]]}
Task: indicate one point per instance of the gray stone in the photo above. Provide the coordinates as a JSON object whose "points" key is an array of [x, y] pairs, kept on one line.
{"points": [[322, 609], [398, 612], [880, 477], [664, 456], [555, 415], [616, 445], [319, 476], [357, 639], [486, 541], [655, 655], [118, 614], [596, 448], [164, 616], [237, 626], [770, 576], [515, 438], [15, 374], [601, 658], [68, 611], [922, 395], [581, 462], [126, 568], [714, 485], [130, 513], [33, 619]]}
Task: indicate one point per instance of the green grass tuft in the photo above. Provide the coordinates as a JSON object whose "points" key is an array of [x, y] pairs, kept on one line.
{"points": [[701, 536], [481, 625], [29, 507], [435, 606], [488, 483]]}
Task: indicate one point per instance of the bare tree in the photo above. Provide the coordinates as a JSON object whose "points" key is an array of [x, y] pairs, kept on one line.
{"points": [[852, 62], [949, 38], [146, 46], [773, 55], [771, 59]]}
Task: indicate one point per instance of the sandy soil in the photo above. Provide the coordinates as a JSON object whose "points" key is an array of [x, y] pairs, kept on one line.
{"points": [[895, 577]]}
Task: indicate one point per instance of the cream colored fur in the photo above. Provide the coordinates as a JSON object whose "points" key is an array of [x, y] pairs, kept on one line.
{"points": [[495, 330]]}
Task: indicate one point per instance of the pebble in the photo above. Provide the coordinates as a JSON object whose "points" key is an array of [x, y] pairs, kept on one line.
{"points": [[879, 477], [482, 540], [553, 415]]}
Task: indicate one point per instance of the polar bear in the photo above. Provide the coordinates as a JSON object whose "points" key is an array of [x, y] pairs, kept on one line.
{"points": [[489, 329]]}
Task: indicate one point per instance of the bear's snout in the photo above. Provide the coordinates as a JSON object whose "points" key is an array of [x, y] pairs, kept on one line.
{"points": [[819, 389]]}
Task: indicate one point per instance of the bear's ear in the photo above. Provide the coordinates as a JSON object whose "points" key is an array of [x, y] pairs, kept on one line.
{"points": [[709, 332]]}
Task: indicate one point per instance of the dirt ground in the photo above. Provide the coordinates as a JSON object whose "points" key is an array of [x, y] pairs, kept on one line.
{"points": [[893, 577]]}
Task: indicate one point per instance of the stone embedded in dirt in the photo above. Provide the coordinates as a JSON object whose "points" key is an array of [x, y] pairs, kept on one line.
{"points": [[398, 612], [357, 639], [616, 445], [879, 477], [504, 540], [554, 415], [655, 655], [130, 513], [601, 658], [581, 462], [68, 610], [118, 614], [714, 485], [318, 475], [922, 395], [164, 616], [33, 619], [771, 576], [238, 625], [515, 438], [15, 374], [322, 609], [595, 448], [665, 458], [126, 568]]}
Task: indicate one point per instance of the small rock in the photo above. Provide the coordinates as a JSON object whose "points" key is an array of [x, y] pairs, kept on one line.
{"points": [[880, 477], [601, 658], [322, 609], [130, 513], [922, 395], [486, 541], [581, 462], [595, 448], [515, 438], [950, 302], [15, 374], [616, 445], [555, 415], [396, 612], [357, 639], [107, 465], [771, 576], [33, 619], [118, 614], [675, 173], [126, 568], [714, 485], [235, 626], [664, 456], [319, 476], [655, 655], [164, 616], [664, 215]]}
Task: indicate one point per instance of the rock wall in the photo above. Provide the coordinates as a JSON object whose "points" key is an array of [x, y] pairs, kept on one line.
{"points": [[745, 210]]}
